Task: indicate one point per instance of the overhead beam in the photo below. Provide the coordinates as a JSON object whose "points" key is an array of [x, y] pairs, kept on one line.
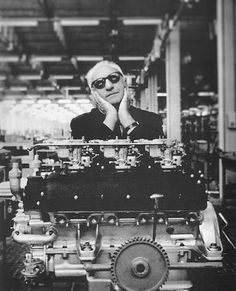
{"points": [[141, 21], [16, 21], [78, 21], [163, 31]]}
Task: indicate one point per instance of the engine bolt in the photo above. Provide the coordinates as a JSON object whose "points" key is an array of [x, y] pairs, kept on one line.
{"points": [[214, 247]]}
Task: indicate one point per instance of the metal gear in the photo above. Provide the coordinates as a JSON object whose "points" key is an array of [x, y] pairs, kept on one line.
{"points": [[140, 264]]}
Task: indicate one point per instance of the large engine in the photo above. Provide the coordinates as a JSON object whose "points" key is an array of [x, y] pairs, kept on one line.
{"points": [[117, 214]]}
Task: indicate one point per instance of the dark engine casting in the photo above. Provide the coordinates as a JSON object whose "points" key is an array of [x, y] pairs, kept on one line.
{"points": [[120, 215]]}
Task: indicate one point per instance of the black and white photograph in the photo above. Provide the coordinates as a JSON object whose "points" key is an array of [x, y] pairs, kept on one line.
{"points": [[117, 145]]}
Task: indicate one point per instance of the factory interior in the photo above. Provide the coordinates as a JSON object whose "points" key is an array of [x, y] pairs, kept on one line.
{"points": [[131, 215]]}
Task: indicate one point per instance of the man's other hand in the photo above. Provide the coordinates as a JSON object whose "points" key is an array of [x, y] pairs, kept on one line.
{"points": [[123, 112]]}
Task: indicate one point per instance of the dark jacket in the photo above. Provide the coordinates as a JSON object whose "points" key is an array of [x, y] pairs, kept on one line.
{"points": [[90, 125]]}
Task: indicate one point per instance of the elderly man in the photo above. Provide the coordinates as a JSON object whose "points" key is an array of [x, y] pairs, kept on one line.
{"points": [[113, 116]]}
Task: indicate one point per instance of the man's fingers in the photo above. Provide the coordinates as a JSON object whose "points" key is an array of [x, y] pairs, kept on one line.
{"points": [[99, 99], [125, 94], [125, 102], [96, 95], [103, 105]]}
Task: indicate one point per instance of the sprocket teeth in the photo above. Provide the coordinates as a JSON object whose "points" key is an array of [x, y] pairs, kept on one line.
{"points": [[134, 241]]}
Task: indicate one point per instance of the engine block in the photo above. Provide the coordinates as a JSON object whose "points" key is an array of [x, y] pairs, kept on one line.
{"points": [[121, 215]]}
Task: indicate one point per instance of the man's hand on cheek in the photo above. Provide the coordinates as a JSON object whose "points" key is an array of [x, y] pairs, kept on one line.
{"points": [[105, 108], [123, 113]]}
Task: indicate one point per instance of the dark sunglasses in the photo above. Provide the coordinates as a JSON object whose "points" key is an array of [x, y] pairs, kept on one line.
{"points": [[100, 83]]}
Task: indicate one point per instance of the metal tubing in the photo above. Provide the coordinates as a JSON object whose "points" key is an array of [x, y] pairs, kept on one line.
{"points": [[65, 269], [39, 239], [196, 265], [70, 273]]}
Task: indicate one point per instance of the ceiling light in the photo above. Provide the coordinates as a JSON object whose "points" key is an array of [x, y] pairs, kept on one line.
{"points": [[89, 58], [29, 77], [206, 94], [9, 58], [18, 88], [33, 95], [18, 22], [46, 58], [141, 21], [161, 94], [131, 58], [62, 77], [45, 88], [72, 88], [79, 22]]}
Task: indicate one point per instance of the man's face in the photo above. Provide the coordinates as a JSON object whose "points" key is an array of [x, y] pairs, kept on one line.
{"points": [[111, 88]]}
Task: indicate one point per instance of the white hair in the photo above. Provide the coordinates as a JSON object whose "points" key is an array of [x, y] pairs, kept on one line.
{"points": [[96, 67]]}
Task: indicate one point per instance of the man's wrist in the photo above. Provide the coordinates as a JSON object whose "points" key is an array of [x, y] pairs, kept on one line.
{"points": [[110, 121], [131, 127]]}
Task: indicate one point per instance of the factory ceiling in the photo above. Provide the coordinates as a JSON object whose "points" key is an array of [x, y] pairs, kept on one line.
{"points": [[47, 46]]}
